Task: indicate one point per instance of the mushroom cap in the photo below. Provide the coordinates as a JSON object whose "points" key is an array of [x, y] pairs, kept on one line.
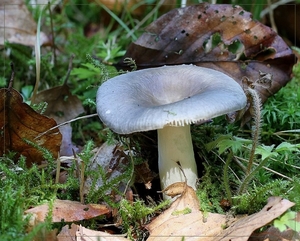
{"points": [[178, 95]]}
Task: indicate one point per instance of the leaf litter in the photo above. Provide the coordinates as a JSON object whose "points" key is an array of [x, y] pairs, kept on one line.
{"points": [[17, 25]]}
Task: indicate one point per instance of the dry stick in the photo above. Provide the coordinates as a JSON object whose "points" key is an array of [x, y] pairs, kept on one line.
{"points": [[65, 123]]}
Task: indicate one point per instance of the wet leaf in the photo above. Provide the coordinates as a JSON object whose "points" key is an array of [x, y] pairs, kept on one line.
{"points": [[17, 24], [219, 36], [242, 229], [20, 124], [184, 219], [68, 211]]}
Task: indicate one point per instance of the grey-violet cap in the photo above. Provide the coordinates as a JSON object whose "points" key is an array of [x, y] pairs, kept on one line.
{"points": [[178, 95]]}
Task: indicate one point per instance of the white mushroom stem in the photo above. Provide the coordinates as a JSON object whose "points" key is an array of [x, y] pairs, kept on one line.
{"points": [[175, 145]]}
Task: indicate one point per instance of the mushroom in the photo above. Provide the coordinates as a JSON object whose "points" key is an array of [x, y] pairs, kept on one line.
{"points": [[168, 99]]}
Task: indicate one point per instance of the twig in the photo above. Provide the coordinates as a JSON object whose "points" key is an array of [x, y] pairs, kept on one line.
{"points": [[64, 123]]}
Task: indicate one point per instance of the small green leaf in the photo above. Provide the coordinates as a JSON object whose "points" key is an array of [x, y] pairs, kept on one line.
{"points": [[286, 146], [226, 144], [287, 220], [266, 151]]}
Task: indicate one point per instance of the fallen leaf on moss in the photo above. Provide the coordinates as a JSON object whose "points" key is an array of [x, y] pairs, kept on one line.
{"points": [[244, 227], [17, 24], [20, 124], [68, 211], [185, 220]]}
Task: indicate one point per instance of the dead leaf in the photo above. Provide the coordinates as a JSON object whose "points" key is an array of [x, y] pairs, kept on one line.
{"points": [[91, 235], [80, 233], [218, 36], [62, 106], [68, 211], [242, 229], [184, 219], [175, 189], [114, 162], [17, 24], [67, 233], [143, 174], [19, 122], [273, 234]]}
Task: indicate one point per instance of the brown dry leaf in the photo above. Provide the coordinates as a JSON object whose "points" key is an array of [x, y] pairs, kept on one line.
{"points": [[19, 122], [84, 234], [175, 189], [184, 219], [62, 106], [80, 233], [143, 174], [188, 35], [67, 233], [273, 234], [242, 229], [17, 24], [68, 211]]}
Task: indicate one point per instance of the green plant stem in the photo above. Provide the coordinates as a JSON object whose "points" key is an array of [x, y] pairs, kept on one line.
{"points": [[226, 178], [256, 104], [250, 176]]}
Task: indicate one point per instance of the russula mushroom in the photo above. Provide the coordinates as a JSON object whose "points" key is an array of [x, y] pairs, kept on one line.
{"points": [[168, 99]]}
